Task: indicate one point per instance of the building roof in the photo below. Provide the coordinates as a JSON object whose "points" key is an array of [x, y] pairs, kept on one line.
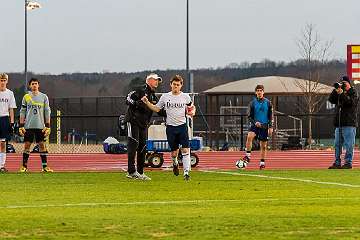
{"points": [[274, 85]]}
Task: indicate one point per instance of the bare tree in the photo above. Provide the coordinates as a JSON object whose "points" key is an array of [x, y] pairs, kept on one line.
{"points": [[315, 54]]}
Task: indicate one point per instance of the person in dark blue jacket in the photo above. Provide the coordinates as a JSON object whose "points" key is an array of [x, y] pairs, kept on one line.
{"points": [[260, 115]]}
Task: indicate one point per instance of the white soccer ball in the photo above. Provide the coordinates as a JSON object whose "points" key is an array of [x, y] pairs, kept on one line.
{"points": [[241, 164]]}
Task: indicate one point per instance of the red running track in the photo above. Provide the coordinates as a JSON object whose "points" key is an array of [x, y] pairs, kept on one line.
{"points": [[101, 162]]}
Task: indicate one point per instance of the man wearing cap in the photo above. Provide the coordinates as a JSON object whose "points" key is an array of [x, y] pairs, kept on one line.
{"points": [[7, 105], [138, 118], [345, 98]]}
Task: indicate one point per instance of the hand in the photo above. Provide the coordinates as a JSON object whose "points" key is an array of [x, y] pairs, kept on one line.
{"points": [[145, 99], [190, 110], [339, 90], [270, 131], [22, 131], [258, 124], [11, 129], [46, 131]]}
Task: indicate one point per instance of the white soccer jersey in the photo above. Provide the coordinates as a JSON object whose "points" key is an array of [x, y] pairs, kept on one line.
{"points": [[175, 107], [7, 101]]}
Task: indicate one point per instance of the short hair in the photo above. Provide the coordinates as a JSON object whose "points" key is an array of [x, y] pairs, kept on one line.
{"points": [[33, 80], [177, 78], [259, 87], [4, 76]]}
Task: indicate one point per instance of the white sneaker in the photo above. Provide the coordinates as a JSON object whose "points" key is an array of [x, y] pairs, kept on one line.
{"points": [[144, 177], [134, 175]]}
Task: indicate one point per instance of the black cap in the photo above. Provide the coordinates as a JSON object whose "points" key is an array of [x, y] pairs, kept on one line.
{"points": [[345, 79]]}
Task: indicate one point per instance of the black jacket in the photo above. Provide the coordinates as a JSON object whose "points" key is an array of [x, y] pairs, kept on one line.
{"points": [[137, 112], [346, 106]]}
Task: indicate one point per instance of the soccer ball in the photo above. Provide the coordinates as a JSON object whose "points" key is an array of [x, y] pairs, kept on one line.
{"points": [[241, 164]]}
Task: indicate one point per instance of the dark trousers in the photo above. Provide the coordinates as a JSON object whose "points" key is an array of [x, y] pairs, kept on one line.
{"points": [[136, 147]]}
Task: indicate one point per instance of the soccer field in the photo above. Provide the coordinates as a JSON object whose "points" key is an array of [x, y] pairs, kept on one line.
{"points": [[319, 204]]}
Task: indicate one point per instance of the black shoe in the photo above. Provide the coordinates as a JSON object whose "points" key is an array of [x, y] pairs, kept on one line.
{"points": [[176, 169], [346, 166], [187, 177], [335, 166], [3, 170]]}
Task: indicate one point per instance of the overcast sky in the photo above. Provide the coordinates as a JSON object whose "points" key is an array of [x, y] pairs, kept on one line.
{"points": [[136, 35]]}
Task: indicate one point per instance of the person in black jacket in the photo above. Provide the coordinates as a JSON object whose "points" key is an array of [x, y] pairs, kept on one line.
{"points": [[345, 98], [138, 118]]}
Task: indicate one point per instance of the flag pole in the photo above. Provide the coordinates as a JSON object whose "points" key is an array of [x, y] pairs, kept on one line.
{"points": [[26, 73]]}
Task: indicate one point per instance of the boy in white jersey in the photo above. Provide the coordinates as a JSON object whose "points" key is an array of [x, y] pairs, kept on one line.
{"points": [[7, 105], [35, 123], [177, 105]]}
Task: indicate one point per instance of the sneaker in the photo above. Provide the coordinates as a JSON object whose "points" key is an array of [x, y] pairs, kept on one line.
{"points": [[3, 170], [144, 177], [335, 166], [246, 159], [346, 166], [187, 177], [46, 169], [176, 169], [134, 175], [262, 165], [23, 169]]}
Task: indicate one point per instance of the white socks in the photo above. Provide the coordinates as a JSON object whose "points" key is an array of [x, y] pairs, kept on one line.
{"points": [[2, 159], [186, 163]]}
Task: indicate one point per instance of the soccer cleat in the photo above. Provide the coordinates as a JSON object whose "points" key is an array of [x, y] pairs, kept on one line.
{"points": [[3, 170], [346, 166], [262, 165], [134, 175], [187, 177], [144, 177], [176, 169], [47, 169], [23, 169], [335, 166], [246, 159]]}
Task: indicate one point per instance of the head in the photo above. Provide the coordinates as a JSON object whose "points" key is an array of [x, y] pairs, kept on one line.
{"points": [[153, 80], [259, 91], [4, 78], [176, 84], [347, 83], [34, 84]]}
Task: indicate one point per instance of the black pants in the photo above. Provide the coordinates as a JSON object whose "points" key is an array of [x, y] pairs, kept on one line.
{"points": [[136, 147]]}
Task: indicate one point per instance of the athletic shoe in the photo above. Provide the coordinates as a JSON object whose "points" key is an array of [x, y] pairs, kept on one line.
{"points": [[246, 159], [176, 169], [3, 170], [23, 169], [134, 175], [187, 177], [346, 166], [47, 169], [335, 166], [144, 177], [262, 165]]}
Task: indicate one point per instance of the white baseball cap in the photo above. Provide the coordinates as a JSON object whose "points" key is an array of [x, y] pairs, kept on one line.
{"points": [[154, 76]]}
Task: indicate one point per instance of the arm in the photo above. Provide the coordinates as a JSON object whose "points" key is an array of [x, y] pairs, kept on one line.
{"points": [[333, 98], [47, 112], [349, 99], [270, 115], [152, 107], [250, 113], [22, 117]]}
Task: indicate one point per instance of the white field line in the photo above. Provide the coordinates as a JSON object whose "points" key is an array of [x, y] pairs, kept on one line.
{"points": [[198, 202], [285, 178]]}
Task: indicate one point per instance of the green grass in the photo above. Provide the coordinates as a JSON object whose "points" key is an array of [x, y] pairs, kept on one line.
{"points": [[210, 206]]}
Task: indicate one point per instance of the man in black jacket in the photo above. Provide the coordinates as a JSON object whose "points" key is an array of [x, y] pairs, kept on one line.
{"points": [[137, 118], [346, 99]]}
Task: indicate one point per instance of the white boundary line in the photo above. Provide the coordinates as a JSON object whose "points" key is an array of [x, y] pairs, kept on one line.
{"points": [[88, 204], [285, 178]]}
